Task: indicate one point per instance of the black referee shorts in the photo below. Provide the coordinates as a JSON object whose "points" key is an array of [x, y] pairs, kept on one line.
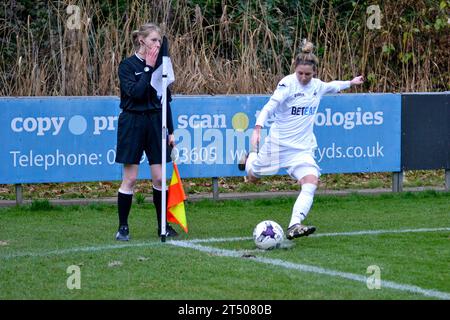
{"points": [[139, 132]]}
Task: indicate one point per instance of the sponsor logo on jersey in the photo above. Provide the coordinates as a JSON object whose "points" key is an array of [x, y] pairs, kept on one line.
{"points": [[303, 111]]}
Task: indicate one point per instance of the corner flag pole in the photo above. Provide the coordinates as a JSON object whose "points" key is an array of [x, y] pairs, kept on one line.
{"points": [[165, 57]]}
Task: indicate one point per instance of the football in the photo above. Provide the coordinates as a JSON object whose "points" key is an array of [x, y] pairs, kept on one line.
{"points": [[268, 235]]}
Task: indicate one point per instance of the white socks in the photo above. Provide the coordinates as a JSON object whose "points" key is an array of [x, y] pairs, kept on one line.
{"points": [[303, 203], [126, 191]]}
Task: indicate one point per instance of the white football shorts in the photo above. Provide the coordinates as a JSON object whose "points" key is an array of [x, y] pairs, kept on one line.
{"points": [[272, 157]]}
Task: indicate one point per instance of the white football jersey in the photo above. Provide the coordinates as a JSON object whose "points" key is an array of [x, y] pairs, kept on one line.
{"points": [[294, 108]]}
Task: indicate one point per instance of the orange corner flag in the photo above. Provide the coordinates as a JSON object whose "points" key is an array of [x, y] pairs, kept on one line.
{"points": [[175, 201]]}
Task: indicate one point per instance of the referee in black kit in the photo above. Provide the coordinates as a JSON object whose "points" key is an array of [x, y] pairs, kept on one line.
{"points": [[139, 126]]}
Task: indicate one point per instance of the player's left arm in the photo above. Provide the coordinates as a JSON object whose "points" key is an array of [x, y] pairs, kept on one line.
{"points": [[336, 86]]}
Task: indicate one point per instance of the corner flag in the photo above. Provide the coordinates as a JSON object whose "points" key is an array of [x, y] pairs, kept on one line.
{"points": [[162, 76], [163, 61], [175, 203]]}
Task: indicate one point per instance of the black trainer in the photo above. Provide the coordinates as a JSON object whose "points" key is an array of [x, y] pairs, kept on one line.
{"points": [[299, 230], [170, 232], [123, 234], [242, 162]]}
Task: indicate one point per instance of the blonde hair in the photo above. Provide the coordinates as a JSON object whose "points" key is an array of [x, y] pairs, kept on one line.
{"points": [[143, 31], [307, 57]]}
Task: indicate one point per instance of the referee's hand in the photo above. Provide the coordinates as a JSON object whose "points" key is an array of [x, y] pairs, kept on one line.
{"points": [[171, 140], [151, 56]]}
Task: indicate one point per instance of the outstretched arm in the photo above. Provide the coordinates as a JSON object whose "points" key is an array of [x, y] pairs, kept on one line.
{"points": [[336, 86]]}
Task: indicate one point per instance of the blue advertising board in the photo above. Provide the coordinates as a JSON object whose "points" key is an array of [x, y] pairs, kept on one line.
{"points": [[72, 139]]}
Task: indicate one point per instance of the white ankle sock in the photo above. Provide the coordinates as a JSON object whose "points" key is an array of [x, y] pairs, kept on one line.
{"points": [[303, 203], [129, 192]]}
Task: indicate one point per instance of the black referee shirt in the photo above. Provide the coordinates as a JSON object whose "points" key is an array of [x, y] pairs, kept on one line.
{"points": [[136, 92]]}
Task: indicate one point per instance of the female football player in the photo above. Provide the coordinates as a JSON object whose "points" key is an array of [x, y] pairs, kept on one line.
{"points": [[291, 142]]}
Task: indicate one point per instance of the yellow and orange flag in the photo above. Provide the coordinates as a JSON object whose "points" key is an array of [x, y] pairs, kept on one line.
{"points": [[175, 202]]}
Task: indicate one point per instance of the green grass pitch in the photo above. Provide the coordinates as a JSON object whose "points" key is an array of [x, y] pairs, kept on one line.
{"points": [[406, 237]]}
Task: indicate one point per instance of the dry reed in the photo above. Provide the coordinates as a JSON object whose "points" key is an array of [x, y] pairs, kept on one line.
{"points": [[235, 53]]}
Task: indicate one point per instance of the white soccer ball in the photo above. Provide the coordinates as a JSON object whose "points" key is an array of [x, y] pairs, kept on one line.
{"points": [[268, 235]]}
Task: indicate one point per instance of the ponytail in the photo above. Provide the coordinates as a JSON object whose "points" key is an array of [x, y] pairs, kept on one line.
{"points": [[307, 57]]}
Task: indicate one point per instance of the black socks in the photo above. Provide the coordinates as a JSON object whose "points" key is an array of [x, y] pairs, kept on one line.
{"points": [[157, 199], [124, 202], [124, 205]]}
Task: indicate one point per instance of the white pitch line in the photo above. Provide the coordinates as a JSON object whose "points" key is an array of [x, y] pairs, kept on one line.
{"points": [[208, 240], [313, 269], [333, 234], [372, 232], [80, 249]]}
